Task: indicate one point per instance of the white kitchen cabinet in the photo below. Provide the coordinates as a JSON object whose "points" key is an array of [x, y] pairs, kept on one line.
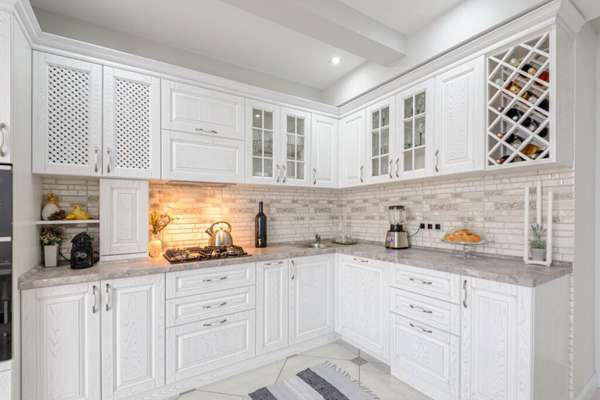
{"points": [[131, 115], [352, 136], [324, 151], [6, 83], [311, 297], [272, 288], [263, 142], [416, 135], [296, 137], [133, 335], [67, 116], [381, 141], [123, 218], [200, 158], [362, 304], [6, 381], [61, 335], [193, 109], [200, 347], [459, 123]]}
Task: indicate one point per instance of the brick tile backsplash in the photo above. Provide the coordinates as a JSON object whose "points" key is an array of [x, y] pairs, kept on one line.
{"points": [[492, 204]]}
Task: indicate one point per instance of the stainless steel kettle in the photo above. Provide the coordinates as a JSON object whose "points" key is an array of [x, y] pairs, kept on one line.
{"points": [[220, 234]]}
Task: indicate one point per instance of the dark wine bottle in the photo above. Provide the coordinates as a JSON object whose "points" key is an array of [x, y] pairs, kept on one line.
{"points": [[260, 227]]}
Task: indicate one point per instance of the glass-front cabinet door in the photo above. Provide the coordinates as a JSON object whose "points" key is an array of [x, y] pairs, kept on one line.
{"points": [[382, 164], [295, 136], [415, 111], [263, 125]]}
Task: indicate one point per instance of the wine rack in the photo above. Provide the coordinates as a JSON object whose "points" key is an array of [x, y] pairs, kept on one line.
{"points": [[518, 109]]}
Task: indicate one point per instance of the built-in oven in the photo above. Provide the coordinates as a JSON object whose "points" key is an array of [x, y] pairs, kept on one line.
{"points": [[5, 262]]}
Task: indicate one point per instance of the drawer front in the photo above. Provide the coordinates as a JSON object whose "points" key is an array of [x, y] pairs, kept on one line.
{"points": [[435, 313], [195, 308], [189, 283], [439, 285], [426, 358], [200, 347]]}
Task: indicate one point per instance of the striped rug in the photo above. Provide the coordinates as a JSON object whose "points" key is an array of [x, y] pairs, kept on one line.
{"points": [[323, 382]]}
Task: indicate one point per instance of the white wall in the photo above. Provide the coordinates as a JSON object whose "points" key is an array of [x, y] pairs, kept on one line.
{"points": [[585, 176]]}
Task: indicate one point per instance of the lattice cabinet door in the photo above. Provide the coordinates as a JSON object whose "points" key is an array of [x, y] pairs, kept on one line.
{"points": [[131, 137], [296, 133], [67, 124]]}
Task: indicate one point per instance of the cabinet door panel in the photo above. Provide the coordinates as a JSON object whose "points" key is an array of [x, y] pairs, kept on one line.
{"points": [[194, 109], [272, 287], [460, 114], [133, 335], [67, 116], [131, 112], [296, 142], [381, 139], [311, 297], [6, 74], [197, 158], [263, 152], [324, 161], [123, 217], [61, 332], [352, 142]]}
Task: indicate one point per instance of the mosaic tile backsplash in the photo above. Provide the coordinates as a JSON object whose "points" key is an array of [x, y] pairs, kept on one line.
{"points": [[491, 204]]}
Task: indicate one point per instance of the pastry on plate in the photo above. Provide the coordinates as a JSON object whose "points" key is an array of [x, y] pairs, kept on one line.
{"points": [[462, 235]]}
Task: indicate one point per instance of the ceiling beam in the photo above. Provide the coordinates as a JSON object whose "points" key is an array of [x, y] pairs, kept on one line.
{"points": [[334, 23]]}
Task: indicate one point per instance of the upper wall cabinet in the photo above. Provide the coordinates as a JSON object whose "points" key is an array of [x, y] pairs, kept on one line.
{"points": [[416, 130], [193, 109], [6, 71], [263, 142], [131, 113], [459, 118], [381, 132], [323, 151], [352, 149], [296, 128], [67, 120]]}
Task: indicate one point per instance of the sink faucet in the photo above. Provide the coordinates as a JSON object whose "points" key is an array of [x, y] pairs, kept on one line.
{"points": [[317, 238]]}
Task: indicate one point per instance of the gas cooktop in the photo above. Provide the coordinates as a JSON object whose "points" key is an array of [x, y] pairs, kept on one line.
{"points": [[190, 254]]}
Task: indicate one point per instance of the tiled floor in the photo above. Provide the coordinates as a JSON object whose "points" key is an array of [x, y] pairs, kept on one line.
{"points": [[370, 373]]}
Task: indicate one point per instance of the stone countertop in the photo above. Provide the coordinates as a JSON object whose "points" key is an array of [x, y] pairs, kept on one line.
{"points": [[500, 269]]}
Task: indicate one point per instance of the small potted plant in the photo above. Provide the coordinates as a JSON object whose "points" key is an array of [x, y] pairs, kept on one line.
{"points": [[50, 239], [537, 243], [158, 222]]}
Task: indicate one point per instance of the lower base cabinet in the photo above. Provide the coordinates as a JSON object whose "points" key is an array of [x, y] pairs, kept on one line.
{"points": [[5, 383]]}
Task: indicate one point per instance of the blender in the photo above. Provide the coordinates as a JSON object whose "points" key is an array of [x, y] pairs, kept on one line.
{"points": [[396, 237]]}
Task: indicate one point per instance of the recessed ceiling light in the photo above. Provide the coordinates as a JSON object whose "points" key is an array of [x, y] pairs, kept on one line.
{"points": [[335, 60]]}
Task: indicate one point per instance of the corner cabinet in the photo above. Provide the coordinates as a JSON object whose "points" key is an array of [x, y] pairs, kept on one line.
{"points": [[352, 139], [324, 151], [459, 122], [67, 116]]}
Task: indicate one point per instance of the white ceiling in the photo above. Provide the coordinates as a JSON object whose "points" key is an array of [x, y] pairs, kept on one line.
{"points": [[405, 16], [254, 39]]}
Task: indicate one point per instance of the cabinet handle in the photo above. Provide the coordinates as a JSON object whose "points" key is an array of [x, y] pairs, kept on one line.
{"points": [[96, 158], [423, 310], [437, 160], [109, 160], [391, 168], [216, 279], [207, 131], [108, 297], [3, 134], [95, 294], [419, 327], [398, 167], [273, 263], [360, 260], [293, 270], [465, 293], [362, 174], [278, 173], [221, 322], [421, 281], [211, 306], [284, 173], [314, 176]]}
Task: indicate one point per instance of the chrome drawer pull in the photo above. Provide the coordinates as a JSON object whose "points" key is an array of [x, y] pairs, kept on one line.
{"points": [[95, 294], [108, 297], [206, 131], [466, 293], [217, 279], [420, 328], [360, 260], [423, 282], [211, 306], [221, 322], [423, 310]]}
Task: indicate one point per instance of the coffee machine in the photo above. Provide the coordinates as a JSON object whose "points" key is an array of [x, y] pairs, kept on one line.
{"points": [[396, 237]]}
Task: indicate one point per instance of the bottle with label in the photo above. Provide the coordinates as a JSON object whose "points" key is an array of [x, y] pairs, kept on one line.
{"points": [[260, 227]]}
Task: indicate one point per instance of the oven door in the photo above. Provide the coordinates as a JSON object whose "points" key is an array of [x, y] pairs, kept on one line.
{"points": [[5, 201]]}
